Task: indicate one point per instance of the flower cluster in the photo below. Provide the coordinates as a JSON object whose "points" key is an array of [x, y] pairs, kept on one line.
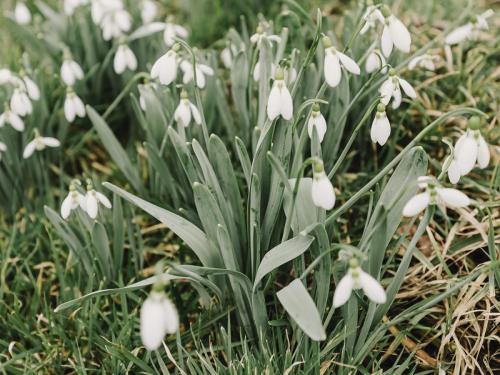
{"points": [[88, 202]]}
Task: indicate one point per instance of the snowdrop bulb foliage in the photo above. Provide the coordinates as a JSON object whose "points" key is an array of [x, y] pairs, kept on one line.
{"points": [[73, 200], [39, 143], [423, 61], [124, 59], [391, 88], [165, 68], [158, 318], [333, 62], [280, 101], [356, 278], [381, 128], [371, 16], [149, 11], [173, 31], [394, 34], [375, 61], [434, 194], [318, 122], [20, 103], [201, 71], [323, 194], [22, 14], [471, 30], [71, 71], [92, 200], [470, 149], [11, 118], [186, 110], [73, 106]]}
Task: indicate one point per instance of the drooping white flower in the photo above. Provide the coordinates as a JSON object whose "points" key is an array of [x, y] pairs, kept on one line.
{"points": [[20, 103], [356, 278], [394, 34], [186, 110], [71, 5], [22, 14], [424, 61], [323, 194], [280, 101], [38, 144], [371, 16], [261, 34], [111, 17], [201, 71], [375, 61], [158, 318], [226, 57], [381, 128], [73, 200], [5, 76], [70, 71], [92, 200], [11, 118], [470, 149], [316, 121], [173, 31], [165, 68], [73, 106], [124, 59], [334, 59], [391, 88], [434, 194], [149, 11], [471, 30], [31, 88]]}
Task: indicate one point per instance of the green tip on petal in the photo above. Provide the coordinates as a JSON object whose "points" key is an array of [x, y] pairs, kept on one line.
{"points": [[392, 72], [315, 107], [318, 166], [474, 123], [327, 43], [386, 12], [380, 107], [353, 263]]}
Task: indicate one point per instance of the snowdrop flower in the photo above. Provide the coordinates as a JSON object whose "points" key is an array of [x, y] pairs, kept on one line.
{"points": [[38, 144], [316, 120], [149, 10], [22, 14], [124, 59], [394, 34], [391, 88], [471, 148], [280, 101], [158, 318], [424, 61], [21, 103], [5, 76], [73, 200], [226, 57], [173, 31], [434, 194], [471, 30], [375, 61], [71, 5], [201, 71], [31, 87], [261, 34], [323, 194], [115, 22], [165, 68], [381, 128], [70, 70], [147, 86], [11, 118], [73, 106], [371, 16], [333, 62], [356, 278], [185, 110], [92, 199]]}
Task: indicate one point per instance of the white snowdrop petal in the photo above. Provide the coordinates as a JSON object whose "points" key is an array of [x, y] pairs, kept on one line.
{"points": [[181, 31], [131, 59], [454, 172], [333, 74], [67, 74], [349, 63], [381, 129], [386, 41], [16, 122], [467, 156], [483, 153], [372, 63], [32, 88], [69, 109], [29, 149], [195, 113], [459, 34], [318, 123], [407, 88], [91, 205], [152, 323], [274, 103], [323, 194], [286, 103], [103, 199], [453, 198], [51, 142], [397, 98], [119, 62], [400, 35], [66, 206], [416, 204], [343, 290], [171, 317], [372, 288], [386, 90]]}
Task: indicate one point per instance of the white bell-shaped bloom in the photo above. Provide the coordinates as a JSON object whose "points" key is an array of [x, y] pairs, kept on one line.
{"points": [[71, 5], [6, 76], [394, 34], [20, 103], [261, 34], [73, 106], [333, 62], [165, 68], [158, 318], [323, 194], [115, 23], [149, 11], [124, 59], [381, 127], [356, 278], [173, 31], [375, 61], [39, 143], [100, 7], [226, 57], [31, 88], [371, 16], [22, 14], [316, 121], [201, 71], [185, 111], [290, 73], [434, 194], [92, 200], [280, 101], [71, 71], [11, 118], [73, 200], [425, 61], [471, 30], [391, 88]]}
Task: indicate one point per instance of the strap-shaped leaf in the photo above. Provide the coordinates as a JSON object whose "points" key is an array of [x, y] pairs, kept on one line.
{"points": [[299, 304]]}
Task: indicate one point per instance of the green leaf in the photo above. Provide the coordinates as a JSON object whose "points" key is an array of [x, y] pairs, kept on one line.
{"points": [[299, 304], [101, 243], [305, 213]]}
